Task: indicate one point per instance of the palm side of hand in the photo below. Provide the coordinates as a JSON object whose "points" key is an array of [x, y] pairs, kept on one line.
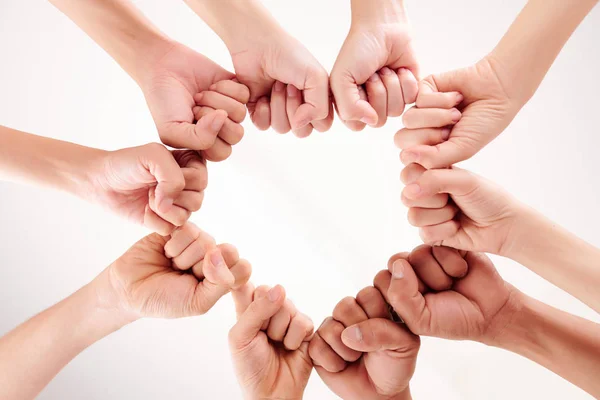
{"points": [[148, 285]]}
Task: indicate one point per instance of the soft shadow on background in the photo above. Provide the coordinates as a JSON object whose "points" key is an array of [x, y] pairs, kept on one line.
{"points": [[320, 216]]}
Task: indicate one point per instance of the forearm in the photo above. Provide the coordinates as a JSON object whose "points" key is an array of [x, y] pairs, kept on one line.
{"points": [[33, 353], [121, 30], [563, 343], [557, 255], [534, 40], [236, 21], [35, 159]]}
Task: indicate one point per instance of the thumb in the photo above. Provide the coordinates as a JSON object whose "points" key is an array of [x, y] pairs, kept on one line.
{"points": [[404, 296], [378, 334], [455, 182], [450, 81], [316, 100], [199, 136], [217, 282], [456, 149], [349, 104], [168, 174], [257, 313]]}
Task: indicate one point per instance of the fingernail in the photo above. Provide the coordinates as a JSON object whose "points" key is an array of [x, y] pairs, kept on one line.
{"points": [[274, 294], [445, 133], [409, 157], [354, 334], [303, 123], [456, 115], [374, 78], [212, 87], [278, 86], [199, 96], [217, 259], [412, 190], [291, 90], [398, 269], [218, 122], [385, 71], [459, 98]]}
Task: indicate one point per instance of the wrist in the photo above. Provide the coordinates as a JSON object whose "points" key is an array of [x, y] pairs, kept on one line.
{"points": [[378, 12], [507, 320], [108, 300], [524, 222]]}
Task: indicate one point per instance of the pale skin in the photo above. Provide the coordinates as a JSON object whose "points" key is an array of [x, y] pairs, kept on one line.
{"points": [[376, 359], [142, 283], [171, 76], [289, 88], [374, 75], [494, 89], [269, 344], [440, 293]]}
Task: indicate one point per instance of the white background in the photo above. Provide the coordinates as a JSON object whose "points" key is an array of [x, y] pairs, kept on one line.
{"points": [[320, 216]]}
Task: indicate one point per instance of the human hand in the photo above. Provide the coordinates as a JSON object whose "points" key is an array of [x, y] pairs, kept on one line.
{"points": [[144, 282], [361, 354], [480, 216], [150, 185], [177, 82], [269, 344], [439, 293], [374, 74], [487, 107]]}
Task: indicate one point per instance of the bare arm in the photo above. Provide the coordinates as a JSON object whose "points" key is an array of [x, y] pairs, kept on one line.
{"points": [[565, 344], [33, 353]]}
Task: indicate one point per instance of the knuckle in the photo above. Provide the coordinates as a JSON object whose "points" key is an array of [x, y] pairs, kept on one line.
{"points": [[343, 307], [413, 216]]}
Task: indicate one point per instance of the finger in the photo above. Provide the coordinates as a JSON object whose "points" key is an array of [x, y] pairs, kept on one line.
{"points": [[350, 104], [411, 173], [395, 99], [242, 298], [190, 200], [457, 182], [199, 136], [217, 283], [430, 98], [242, 271], [418, 118], [372, 302], [323, 125], [279, 117], [176, 215], [377, 96], [348, 312], [356, 126], [443, 155], [407, 138], [195, 179], [231, 132], [219, 151], [331, 332], [404, 256], [437, 235], [428, 270], [410, 86], [379, 334], [316, 100], [262, 291], [195, 252], [232, 89], [451, 261], [421, 217], [279, 322], [156, 224], [170, 181], [259, 311], [323, 356], [404, 296], [235, 110], [261, 116], [433, 202], [301, 329], [181, 239], [293, 102], [230, 254]]}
